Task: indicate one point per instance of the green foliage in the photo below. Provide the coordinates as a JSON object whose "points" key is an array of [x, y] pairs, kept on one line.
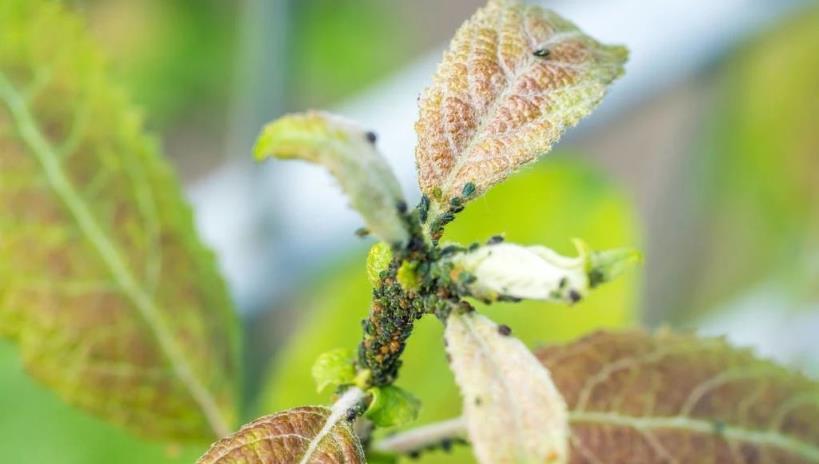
{"points": [[106, 289], [333, 368], [546, 204], [378, 259], [392, 406], [758, 176], [37, 427]]}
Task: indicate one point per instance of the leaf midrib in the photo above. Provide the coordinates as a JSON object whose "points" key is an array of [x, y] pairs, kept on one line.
{"points": [[30, 133], [763, 438]]}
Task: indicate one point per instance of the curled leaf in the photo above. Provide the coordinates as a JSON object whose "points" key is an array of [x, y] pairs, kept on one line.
{"points": [[112, 299], [514, 78], [392, 406], [535, 272], [349, 153], [639, 398], [300, 435], [513, 411]]}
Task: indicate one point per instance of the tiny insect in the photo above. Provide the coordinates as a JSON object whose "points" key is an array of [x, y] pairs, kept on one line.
{"points": [[423, 209], [574, 296], [495, 239], [468, 190], [371, 137], [504, 330], [542, 52], [402, 206], [362, 232]]}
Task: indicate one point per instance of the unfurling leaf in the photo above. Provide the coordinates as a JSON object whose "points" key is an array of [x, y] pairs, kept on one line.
{"points": [[297, 436], [333, 368], [514, 78], [349, 153], [392, 406], [535, 272], [513, 411], [378, 260], [112, 299], [638, 398]]}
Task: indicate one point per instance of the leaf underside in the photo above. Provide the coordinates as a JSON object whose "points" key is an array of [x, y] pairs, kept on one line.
{"points": [[285, 438], [105, 287], [513, 411], [640, 398], [514, 78]]}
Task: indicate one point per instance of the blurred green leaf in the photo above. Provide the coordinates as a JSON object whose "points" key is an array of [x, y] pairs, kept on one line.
{"points": [[104, 285], [31, 412], [758, 175], [546, 204], [171, 54], [333, 368], [392, 406]]}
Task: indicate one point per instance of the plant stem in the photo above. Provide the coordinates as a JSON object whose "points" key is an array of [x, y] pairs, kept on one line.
{"points": [[421, 438]]}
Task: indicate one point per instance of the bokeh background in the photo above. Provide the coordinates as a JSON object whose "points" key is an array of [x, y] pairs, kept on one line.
{"points": [[705, 156]]}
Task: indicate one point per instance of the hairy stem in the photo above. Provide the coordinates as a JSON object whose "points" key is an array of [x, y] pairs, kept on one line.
{"points": [[422, 438]]}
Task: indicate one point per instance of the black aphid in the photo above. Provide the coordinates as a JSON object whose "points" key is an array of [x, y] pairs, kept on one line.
{"points": [[542, 52], [504, 330], [371, 137]]}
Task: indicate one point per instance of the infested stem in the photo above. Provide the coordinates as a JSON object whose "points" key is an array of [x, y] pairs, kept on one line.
{"points": [[422, 438]]}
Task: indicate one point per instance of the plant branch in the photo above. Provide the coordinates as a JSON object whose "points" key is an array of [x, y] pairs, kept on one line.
{"points": [[429, 436]]}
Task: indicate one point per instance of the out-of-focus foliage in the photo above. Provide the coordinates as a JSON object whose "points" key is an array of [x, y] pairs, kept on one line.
{"points": [[37, 427], [104, 285], [546, 204], [495, 104], [639, 398], [340, 46], [758, 174], [173, 55]]}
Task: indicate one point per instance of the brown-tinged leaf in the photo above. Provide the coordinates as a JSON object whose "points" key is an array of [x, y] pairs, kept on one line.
{"points": [[640, 398], [514, 78], [513, 412], [299, 435], [104, 285]]}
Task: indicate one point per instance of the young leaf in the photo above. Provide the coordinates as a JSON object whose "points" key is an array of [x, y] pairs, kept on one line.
{"points": [[514, 78], [112, 299], [349, 153], [536, 272], [513, 411], [333, 368], [300, 435], [640, 398], [392, 406]]}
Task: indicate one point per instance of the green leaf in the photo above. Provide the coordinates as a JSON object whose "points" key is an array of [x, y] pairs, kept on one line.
{"points": [[674, 397], [513, 411], [333, 368], [349, 153], [378, 260], [109, 294], [514, 78], [300, 435], [554, 200], [392, 406]]}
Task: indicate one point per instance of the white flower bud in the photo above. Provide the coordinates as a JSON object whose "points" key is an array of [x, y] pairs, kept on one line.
{"points": [[535, 272]]}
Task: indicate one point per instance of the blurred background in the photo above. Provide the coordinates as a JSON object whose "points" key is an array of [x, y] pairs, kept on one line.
{"points": [[705, 156]]}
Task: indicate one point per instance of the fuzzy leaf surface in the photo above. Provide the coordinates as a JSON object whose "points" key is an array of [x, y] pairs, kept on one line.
{"points": [[514, 413], [639, 398], [293, 436], [113, 301], [351, 157], [514, 78]]}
